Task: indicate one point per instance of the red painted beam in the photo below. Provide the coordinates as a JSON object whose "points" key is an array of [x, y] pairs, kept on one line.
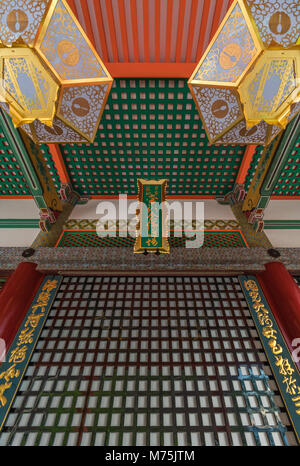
{"points": [[59, 163], [283, 296], [101, 31], [16, 196], [248, 155], [182, 6], [146, 30], [203, 28], [169, 29], [191, 30], [285, 198], [157, 30], [15, 299], [134, 30], [150, 70], [112, 29], [122, 16]]}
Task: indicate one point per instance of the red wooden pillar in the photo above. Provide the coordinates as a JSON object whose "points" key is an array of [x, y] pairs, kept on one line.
{"points": [[283, 295], [15, 299]]}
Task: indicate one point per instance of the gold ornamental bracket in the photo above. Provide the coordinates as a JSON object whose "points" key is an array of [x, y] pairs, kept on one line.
{"points": [[74, 83], [246, 86], [152, 213]]}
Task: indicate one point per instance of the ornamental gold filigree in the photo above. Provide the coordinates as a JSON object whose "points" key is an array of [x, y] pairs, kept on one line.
{"points": [[54, 84], [255, 56]]}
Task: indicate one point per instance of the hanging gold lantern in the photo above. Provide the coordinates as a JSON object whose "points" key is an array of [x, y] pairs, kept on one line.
{"points": [[247, 84], [54, 84]]}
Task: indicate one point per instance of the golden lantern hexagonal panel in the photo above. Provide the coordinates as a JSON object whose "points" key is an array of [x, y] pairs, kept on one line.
{"points": [[247, 84], [29, 90], [54, 84]]}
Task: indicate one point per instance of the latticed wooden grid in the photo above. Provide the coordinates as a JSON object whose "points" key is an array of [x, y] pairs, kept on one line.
{"points": [[148, 361], [91, 224], [289, 182], [12, 181], [212, 239], [151, 129]]}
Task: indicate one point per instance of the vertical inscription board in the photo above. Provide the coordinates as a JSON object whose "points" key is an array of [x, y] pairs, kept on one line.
{"points": [[152, 232], [282, 364], [13, 368]]}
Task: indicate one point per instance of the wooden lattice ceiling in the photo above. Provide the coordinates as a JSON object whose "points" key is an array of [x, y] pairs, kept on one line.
{"points": [[150, 127], [142, 31]]}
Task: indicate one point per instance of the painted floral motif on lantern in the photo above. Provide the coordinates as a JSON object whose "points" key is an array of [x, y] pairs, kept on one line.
{"points": [[240, 134], [219, 108], [58, 133], [20, 18], [67, 50], [81, 106], [276, 20], [231, 53]]}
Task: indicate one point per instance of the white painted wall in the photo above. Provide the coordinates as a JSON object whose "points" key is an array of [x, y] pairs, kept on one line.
{"points": [[284, 238], [19, 209], [17, 237], [283, 210], [212, 209]]}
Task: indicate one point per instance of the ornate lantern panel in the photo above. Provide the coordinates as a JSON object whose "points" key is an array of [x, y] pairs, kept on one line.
{"points": [[269, 90], [246, 86], [27, 86], [59, 75]]}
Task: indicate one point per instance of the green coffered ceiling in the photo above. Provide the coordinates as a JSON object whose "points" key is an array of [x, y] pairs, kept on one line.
{"points": [[151, 129]]}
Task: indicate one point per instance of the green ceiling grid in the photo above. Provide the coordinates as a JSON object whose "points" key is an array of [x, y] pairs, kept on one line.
{"points": [[289, 181], [12, 181], [151, 129]]}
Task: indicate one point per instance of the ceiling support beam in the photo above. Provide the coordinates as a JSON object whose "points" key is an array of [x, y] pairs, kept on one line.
{"points": [[35, 171], [66, 191], [244, 167], [59, 163], [150, 70], [237, 194]]}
